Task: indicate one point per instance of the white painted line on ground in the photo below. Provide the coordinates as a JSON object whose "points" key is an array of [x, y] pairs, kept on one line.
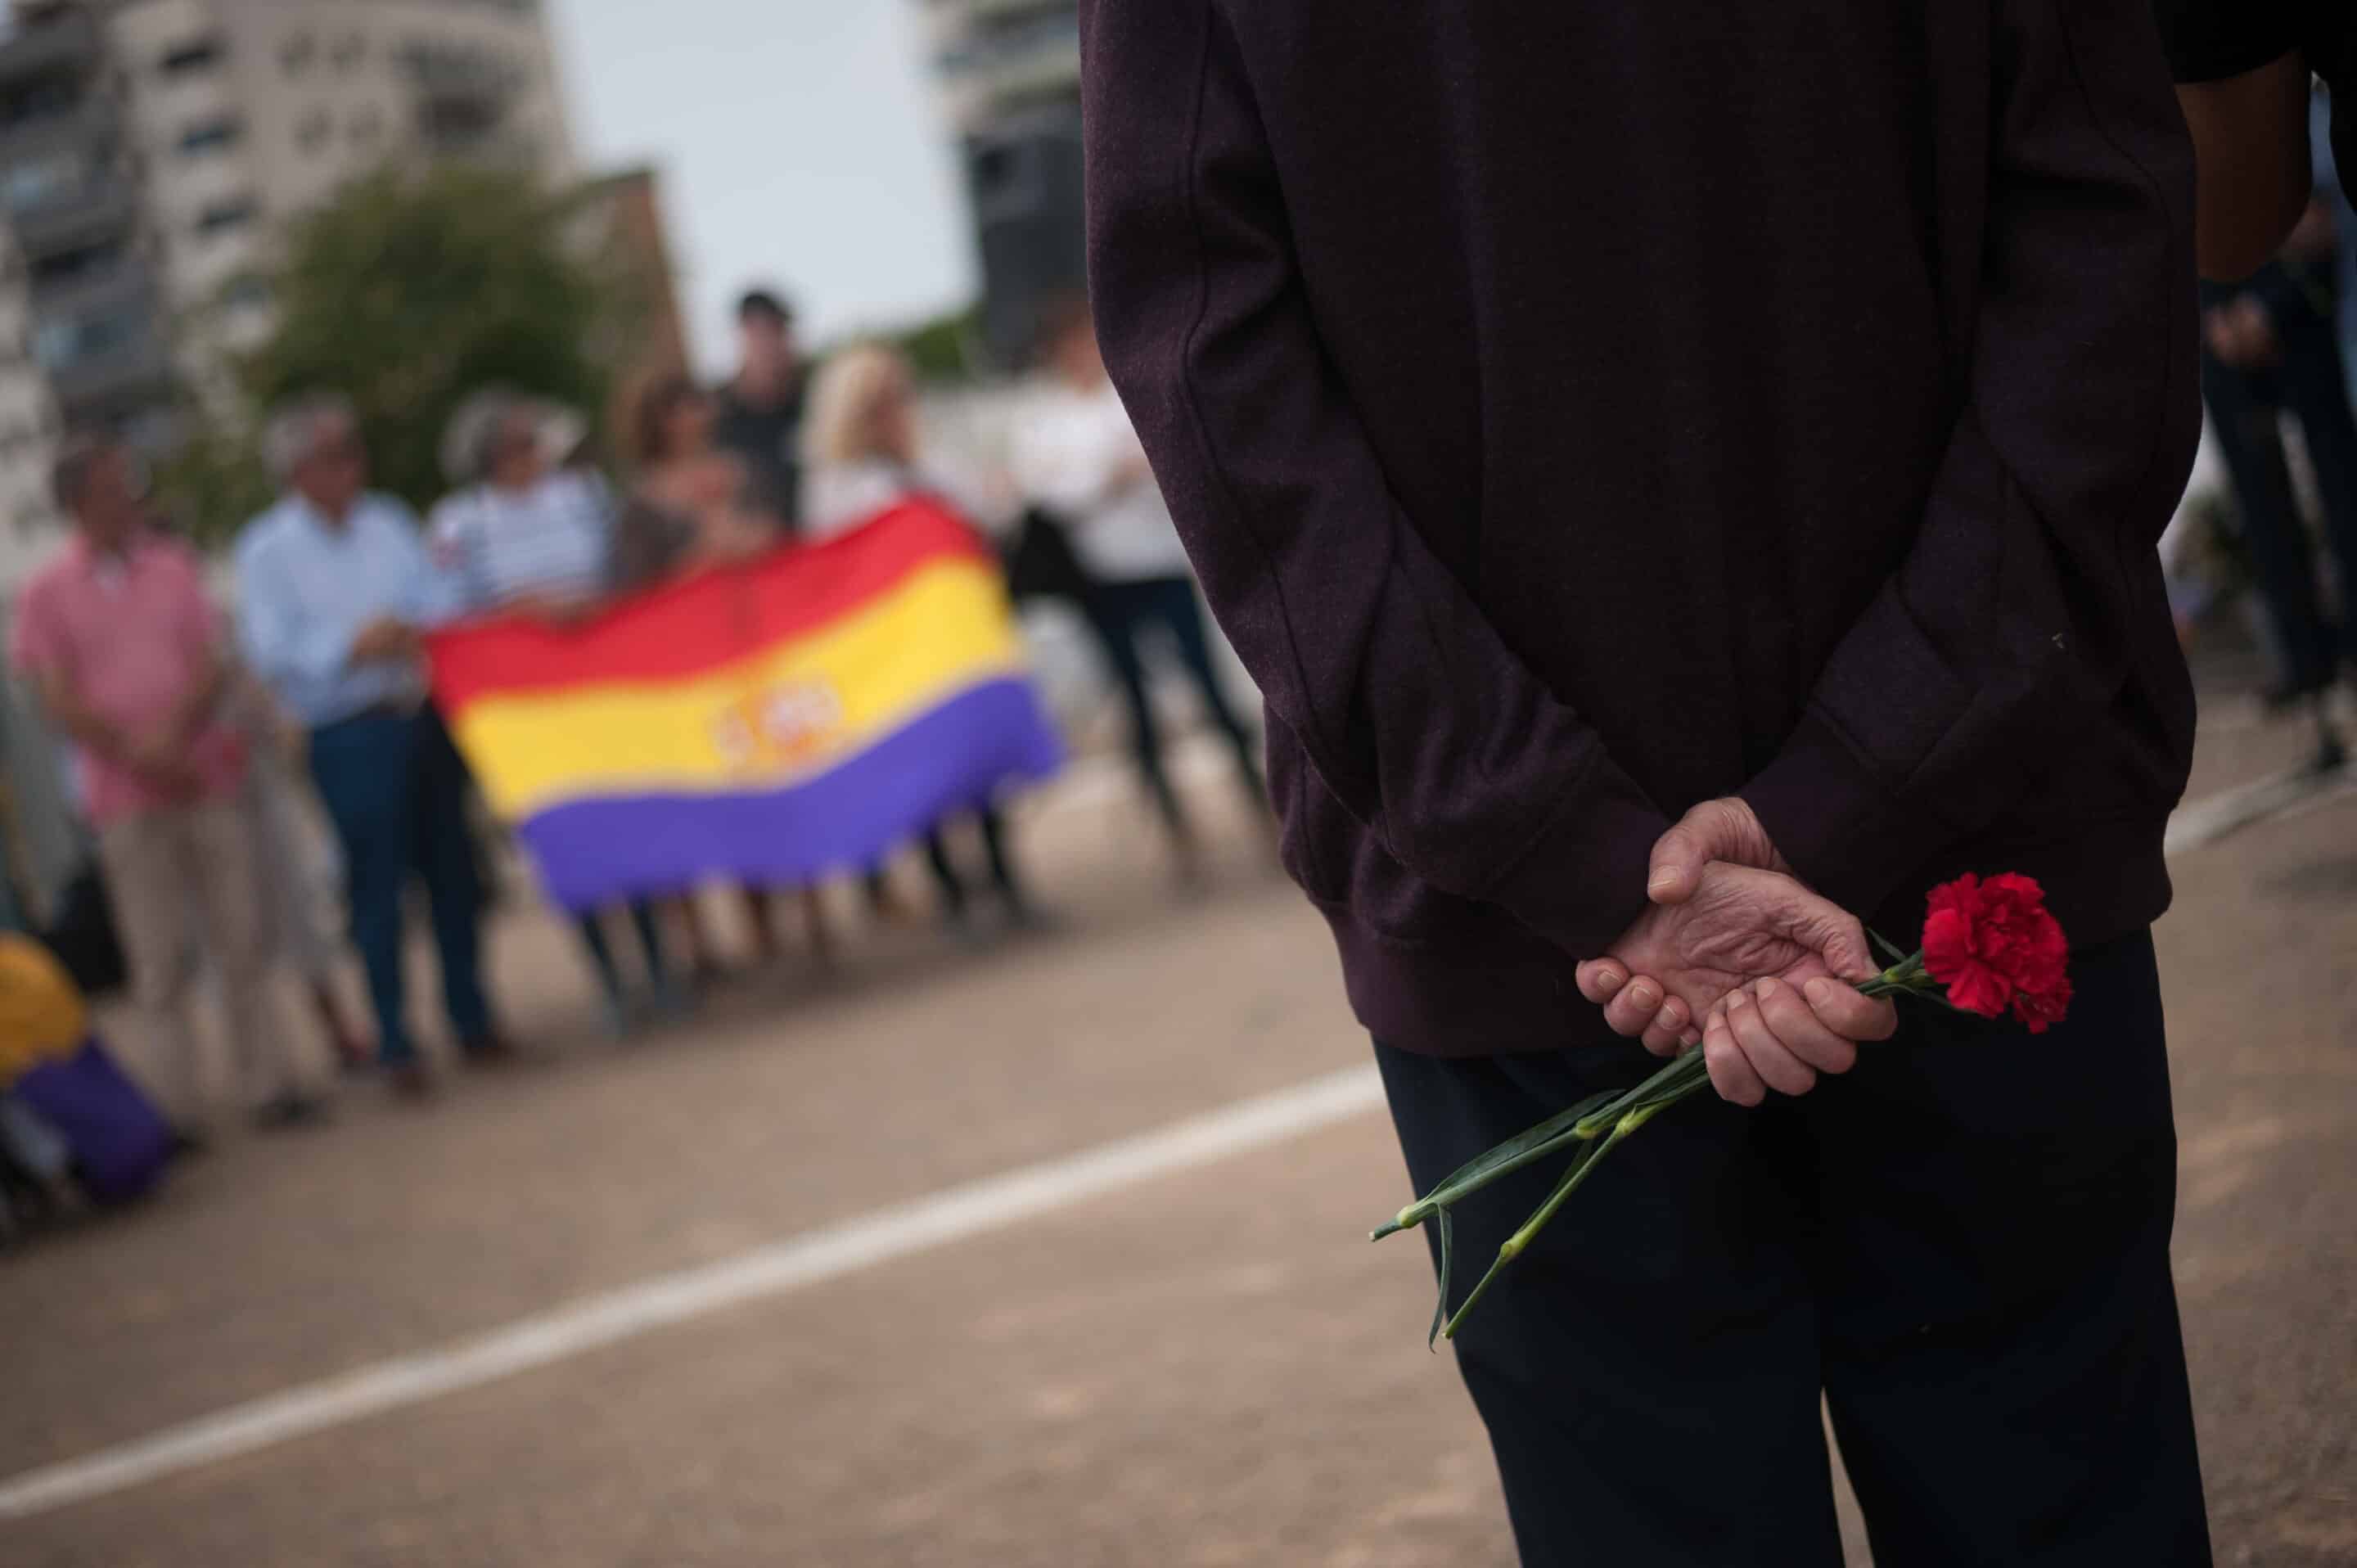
{"points": [[2290, 793], [815, 1257], [956, 1213]]}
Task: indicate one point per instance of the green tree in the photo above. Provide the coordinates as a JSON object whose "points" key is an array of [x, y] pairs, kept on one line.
{"points": [[411, 290], [211, 481], [944, 348]]}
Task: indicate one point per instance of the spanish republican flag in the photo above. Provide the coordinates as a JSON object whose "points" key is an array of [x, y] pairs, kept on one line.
{"points": [[771, 722]]}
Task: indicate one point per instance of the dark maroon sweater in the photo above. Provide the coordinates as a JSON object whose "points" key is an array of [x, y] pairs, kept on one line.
{"points": [[1579, 409]]}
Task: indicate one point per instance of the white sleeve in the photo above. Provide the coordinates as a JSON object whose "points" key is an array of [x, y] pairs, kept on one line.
{"points": [[1065, 460], [453, 535]]}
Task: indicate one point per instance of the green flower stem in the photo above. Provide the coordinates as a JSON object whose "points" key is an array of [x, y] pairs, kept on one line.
{"points": [[1521, 1240], [1524, 1148], [1673, 1082], [1591, 1129]]}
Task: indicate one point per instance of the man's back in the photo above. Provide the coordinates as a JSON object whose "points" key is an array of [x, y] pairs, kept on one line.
{"points": [[1581, 413], [1638, 405]]}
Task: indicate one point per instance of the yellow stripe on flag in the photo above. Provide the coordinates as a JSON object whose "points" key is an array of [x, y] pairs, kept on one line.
{"points": [[784, 712]]}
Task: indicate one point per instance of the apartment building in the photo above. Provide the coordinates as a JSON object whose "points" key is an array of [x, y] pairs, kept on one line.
{"points": [[29, 426], [994, 60], [149, 150], [1007, 76]]}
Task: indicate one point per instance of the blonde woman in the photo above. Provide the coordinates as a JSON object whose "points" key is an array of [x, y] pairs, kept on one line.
{"points": [[859, 458]]}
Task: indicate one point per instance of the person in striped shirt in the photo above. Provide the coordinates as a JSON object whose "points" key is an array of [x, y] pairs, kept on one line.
{"points": [[526, 536]]}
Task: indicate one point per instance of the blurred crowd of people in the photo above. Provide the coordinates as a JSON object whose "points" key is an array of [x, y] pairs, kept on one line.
{"points": [[194, 734], [2279, 347]]}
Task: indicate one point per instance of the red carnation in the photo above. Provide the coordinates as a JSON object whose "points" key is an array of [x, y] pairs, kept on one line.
{"points": [[1993, 944]]}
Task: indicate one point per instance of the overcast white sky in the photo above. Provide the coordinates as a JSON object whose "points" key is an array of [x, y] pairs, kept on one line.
{"points": [[798, 142]]}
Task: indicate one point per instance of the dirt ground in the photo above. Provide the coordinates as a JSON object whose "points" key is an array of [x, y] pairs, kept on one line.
{"points": [[1206, 1366]]}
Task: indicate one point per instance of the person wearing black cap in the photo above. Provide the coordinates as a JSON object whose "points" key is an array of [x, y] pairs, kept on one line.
{"points": [[758, 412]]}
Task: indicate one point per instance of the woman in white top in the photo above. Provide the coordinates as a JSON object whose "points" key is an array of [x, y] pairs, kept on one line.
{"points": [[860, 458], [527, 536], [1078, 460]]}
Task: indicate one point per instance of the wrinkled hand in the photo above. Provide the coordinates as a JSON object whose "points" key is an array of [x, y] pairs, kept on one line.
{"points": [[1716, 830], [1739, 925], [1750, 964]]}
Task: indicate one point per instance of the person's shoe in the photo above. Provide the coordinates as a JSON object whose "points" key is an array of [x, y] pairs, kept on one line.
{"points": [[887, 906], [2285, 696], [668, 1000], [281, 1112], [1027, 917], [1188, 874], [2331, 756], [354, 1056], [489, 1049], [189, 1143], [411, 1082]]}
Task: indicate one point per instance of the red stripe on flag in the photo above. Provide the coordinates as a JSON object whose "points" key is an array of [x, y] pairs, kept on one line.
{"points": [[700, 623]]}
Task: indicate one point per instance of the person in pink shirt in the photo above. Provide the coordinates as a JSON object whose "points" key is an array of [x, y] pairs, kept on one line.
{"points": [[120, 640]]}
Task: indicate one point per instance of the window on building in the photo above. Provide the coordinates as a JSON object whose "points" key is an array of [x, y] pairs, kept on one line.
{"points": [[311, 132], [37, 181], [247, 291], [366, 128], [222, 217], [297, 52], [53, 342], [40, 98], [78, 264], [458, 120], [350, 49], [195, 55], [215, 133], [62, 344]]}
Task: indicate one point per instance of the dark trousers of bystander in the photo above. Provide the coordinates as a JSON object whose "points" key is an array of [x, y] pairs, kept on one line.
{"points": [[997, 856], [395, 792], [1961, 1247], [2307, 381], [1118, 613], [648, 925]]}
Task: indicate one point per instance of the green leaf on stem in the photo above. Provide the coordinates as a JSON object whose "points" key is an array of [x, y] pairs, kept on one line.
{"points": [[1588, 1155], [1448, 1223], [1521, 1240], [1503, 1159], [1672, 1083], [1889, 948]]}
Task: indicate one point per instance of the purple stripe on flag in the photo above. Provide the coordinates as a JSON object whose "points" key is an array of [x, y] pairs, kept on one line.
{"points": [[593, 851]]}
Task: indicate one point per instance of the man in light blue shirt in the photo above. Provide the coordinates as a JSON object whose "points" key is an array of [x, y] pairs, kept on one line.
{"points": [[334, 584]]}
